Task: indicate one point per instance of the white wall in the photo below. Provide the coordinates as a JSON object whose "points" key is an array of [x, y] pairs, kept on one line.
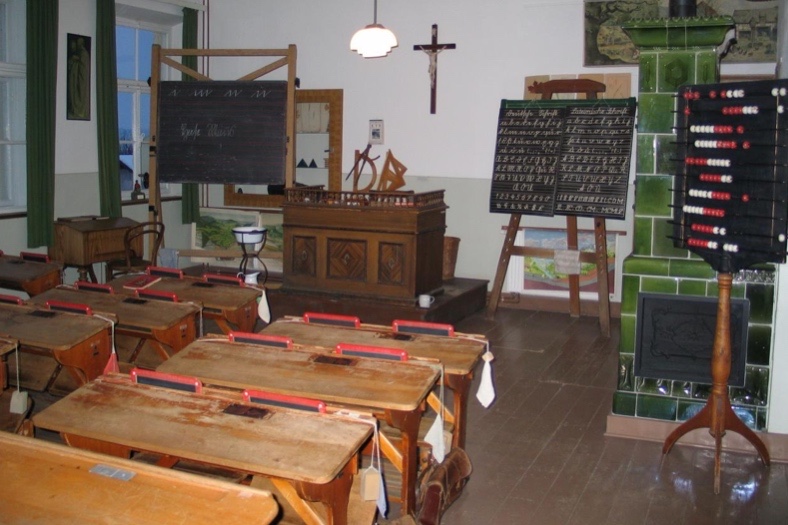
{"points": [[498, 45], [778, 409]]}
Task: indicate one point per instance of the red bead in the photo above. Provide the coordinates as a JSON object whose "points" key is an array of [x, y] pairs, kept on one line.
{"points": [[745, 198], [740, 130]]}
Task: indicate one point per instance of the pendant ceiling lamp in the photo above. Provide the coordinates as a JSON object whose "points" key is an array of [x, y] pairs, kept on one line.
{"points": [[374, 40]]}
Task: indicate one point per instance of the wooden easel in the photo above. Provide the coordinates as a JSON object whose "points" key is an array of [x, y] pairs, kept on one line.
{"points": [[599, 257]]}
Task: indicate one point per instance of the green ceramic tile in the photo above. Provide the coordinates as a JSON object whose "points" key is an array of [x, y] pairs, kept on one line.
{"points": [[738, 290], [642, 242], [688, 409], [655, 113], [626, 378], [759, 342], [660, 387], [675, 68], [700, 390], [645, 154], [662, 243], [653, 196], [758, 383], [761, 298], [656, 407], [646, 266], [747, 415], [647, 74], [706, 68], [692, 287], [689, 268], [761, 419], [624, 403], [659, 285], [667, 155], [755, 389], [681, 389], [627, 342], [630, 286]]}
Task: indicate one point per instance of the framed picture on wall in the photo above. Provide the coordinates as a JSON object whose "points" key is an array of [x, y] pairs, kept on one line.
{"points": [[78, 77], [607, 44]]}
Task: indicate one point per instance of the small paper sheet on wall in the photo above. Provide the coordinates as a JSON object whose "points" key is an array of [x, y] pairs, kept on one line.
{"points": [[567, 261]]}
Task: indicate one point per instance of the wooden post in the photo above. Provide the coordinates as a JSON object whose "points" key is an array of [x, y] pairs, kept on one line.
{"points": [[717, 415]]}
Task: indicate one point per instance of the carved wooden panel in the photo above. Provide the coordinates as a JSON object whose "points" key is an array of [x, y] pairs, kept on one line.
{"points": [[304, 255], [347, 259], [391, 263]]}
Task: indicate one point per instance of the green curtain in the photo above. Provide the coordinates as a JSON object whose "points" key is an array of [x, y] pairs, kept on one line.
{"points": [[41, 96], [107, 110], [190, 193]]}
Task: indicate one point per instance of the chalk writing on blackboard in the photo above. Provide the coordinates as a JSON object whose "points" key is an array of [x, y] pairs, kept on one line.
{"points": [[562, 157], [222, 132]]}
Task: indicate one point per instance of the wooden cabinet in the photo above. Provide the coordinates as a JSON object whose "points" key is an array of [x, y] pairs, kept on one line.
{"points": [[382, 245], [83, 241]]}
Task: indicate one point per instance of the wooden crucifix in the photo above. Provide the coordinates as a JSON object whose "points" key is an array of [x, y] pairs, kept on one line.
{"points": [[432, 49]]}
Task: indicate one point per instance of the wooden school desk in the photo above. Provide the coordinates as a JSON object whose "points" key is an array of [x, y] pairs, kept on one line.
{"points": [[308, 456], [6, 347], [224, 303], [31, 277], [9, 422], [47, 483], [396, 391], [79, 343], [159, 322], [459, 354]]}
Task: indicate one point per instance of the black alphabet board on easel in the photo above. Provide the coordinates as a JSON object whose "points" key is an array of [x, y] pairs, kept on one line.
{"points": [[222, 132], [563, 157]]}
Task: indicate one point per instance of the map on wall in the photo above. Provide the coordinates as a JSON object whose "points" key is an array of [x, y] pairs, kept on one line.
{"points": [[607, 44]]}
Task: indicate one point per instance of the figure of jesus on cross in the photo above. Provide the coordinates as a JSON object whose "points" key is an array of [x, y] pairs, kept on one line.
{"points": [[432, 49]]}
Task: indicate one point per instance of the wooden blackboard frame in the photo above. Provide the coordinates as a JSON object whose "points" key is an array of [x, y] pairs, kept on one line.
{"points": [[278, 58]]}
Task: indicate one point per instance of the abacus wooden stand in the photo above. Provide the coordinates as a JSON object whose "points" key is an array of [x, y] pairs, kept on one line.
{"points": [[717, 415]]}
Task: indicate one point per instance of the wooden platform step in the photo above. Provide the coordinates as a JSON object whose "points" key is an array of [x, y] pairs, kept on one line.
{"points": [[460, 298]]}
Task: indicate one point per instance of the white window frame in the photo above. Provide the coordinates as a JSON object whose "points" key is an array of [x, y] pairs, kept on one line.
{"points": [[138, 88], [14, 175]]}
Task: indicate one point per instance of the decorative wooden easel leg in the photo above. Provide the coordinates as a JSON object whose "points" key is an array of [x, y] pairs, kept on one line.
{"points": [[718, 415]]}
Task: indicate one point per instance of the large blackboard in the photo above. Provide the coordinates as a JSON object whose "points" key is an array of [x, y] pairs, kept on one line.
{"points": [[563, 157], [222, 132]]}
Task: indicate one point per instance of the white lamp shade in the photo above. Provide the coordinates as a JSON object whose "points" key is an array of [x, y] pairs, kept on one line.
{"points": [[373, 41]]}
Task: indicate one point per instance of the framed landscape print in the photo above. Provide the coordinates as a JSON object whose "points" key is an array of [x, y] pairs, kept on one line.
{"points": [[607, 44]]}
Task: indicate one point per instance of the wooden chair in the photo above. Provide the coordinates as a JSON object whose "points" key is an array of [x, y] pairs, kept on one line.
{"points": [[135, 262]]}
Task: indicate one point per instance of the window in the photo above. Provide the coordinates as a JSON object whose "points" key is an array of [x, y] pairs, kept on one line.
{"points": [[13, 164], [138, 26], [133, 48]]}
